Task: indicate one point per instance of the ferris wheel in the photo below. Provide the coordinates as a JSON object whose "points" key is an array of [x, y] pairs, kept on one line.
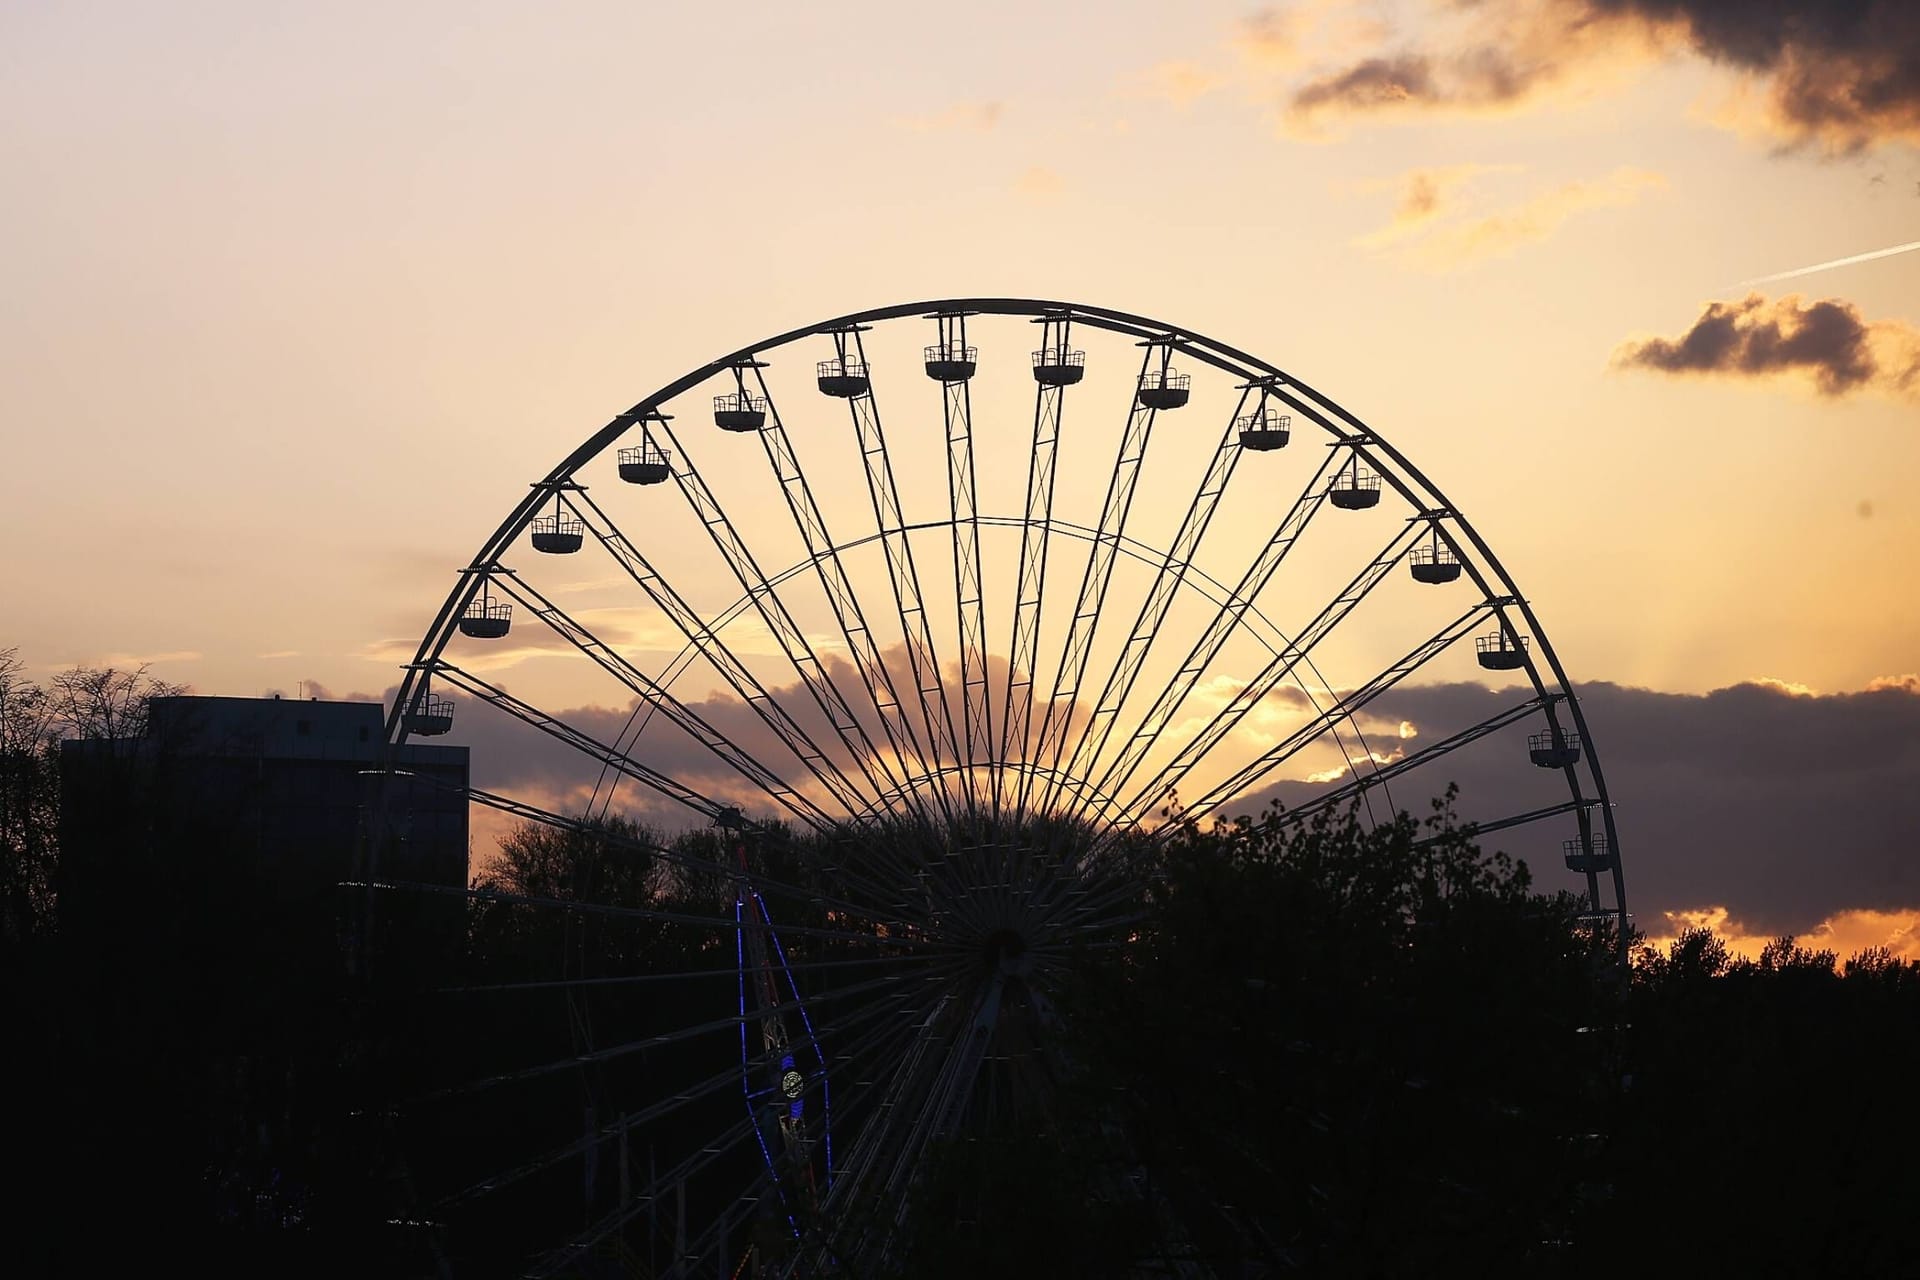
{"points": [[932, 692]]}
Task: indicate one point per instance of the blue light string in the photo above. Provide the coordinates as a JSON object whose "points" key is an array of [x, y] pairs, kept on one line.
{"points": [[746, 1079], [826, 1096]]}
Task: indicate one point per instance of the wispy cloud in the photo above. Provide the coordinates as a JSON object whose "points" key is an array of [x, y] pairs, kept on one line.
{"points": [[1037, 182], [1436, 231], [1425, 196], [123, 661], [1178, 82], [1276, 39], [978, 117], [1271, 37]]}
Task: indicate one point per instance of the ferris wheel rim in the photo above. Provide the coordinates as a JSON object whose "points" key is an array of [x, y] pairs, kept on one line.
{"points": [[1404, 475], [1498, 594]]}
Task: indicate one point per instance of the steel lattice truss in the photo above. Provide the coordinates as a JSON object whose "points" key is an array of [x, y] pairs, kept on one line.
{"points": [[1204, 573]]}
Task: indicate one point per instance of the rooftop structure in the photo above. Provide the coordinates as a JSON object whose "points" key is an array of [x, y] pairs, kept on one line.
{"points": [[284, 784]]}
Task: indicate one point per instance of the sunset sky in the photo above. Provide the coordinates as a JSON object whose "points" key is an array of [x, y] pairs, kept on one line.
{"points": [[298, 299]]}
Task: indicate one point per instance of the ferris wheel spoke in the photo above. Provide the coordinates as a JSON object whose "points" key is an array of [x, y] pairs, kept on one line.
{"points": [[810, 522], [1575, 805], [1142, 413], [876, 1044], [578, 739], [711, 1242], [881, 1104], [1231, 614], [705, 639], [685, 718], [773, 611], [684, 975], [1282, 666], [1082, 892], [1381, 774], [627, 1122], [578, 907], [956, 1072], [902, 572], [1343, 708], [1030, 578], [891, 1123], [1067, 782], [676, 1035], [564, 1256], [1168, 576], [953, 361]]}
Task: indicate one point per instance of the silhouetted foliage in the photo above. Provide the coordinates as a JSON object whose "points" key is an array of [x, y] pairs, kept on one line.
{"points": [[29, 810], [82, 702], [1772, 1111], [1334, 1050], [1345, 1049]]}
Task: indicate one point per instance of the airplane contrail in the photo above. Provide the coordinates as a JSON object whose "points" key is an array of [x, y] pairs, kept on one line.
{"points": [[1837, 262]]}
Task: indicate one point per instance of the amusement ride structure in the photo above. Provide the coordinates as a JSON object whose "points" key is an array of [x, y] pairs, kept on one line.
{"points": [[931, 696]]}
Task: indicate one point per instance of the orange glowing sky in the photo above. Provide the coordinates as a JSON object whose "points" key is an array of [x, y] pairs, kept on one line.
{"points": [[299, 297]]}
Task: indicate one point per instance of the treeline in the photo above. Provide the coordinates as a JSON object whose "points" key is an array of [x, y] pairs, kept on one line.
{"points": [[1344, 1051], [35, 718]]}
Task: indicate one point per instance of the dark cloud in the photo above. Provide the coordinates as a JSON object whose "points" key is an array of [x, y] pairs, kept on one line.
{"points": [[1786, 809], [1844, 70], [1755, 337], [1843, 73]]}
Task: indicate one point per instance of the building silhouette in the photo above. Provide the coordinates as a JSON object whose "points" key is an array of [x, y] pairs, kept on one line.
{"points": [[213, 920], [288, 787]]}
